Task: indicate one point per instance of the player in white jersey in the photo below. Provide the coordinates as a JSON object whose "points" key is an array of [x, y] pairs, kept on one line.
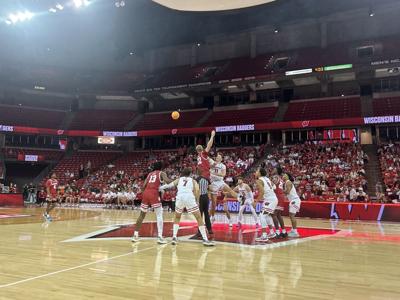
{"points": [[188, 193], [269, 200], [294, 204], [218, 172], [246, 199]]}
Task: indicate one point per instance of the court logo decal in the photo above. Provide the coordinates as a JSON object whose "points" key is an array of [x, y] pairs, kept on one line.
{"points": [[243, 237], [10, 216]]}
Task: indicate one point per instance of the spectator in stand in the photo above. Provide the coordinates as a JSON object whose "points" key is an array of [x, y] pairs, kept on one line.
{"points": [[88, 167], [81, 171], [353, 194], [380, 195], [361, 196], [41, 196], [31, 193]]}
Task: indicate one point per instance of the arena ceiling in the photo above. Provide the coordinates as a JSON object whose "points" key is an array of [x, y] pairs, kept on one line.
{"points": [[102, 35], [210, 5]]}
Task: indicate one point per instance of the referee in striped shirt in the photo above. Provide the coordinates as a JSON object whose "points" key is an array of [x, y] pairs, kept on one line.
{"points": [[204, 201]]}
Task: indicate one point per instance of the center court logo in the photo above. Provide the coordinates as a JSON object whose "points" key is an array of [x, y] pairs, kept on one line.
{"points": [[243, 237]]}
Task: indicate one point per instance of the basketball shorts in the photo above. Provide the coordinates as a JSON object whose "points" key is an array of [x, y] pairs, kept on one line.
{"points": [[269, 205], [150, 199], [294, 206], [281, 203], [52, 198], [216, 186], [187, 201]]}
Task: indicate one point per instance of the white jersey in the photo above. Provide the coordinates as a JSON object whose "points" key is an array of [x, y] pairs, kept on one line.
{"points": [[268, 188], [247, 194], [185, 186], [292, 196], [217, 172]]}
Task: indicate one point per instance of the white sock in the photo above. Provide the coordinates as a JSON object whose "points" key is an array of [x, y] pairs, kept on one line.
{"points": [[253, 212], [294, 230], [202, 230], [175, 230], [241, 213], [263, 221], [136, 233], [283, 230], [160, 223], [269, 220]]}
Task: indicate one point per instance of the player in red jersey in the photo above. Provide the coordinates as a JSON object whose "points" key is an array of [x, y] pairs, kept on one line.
{"points": [[203, 161], [280, 194], [52, 196], [151, 198]]}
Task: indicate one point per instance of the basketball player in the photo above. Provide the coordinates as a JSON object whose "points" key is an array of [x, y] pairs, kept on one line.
{"points": [[267, 196], [246, 199], [188, 193], [218, 172], [151, 199], [52, 196], [203, 161], [294, 204], [280, 194]]}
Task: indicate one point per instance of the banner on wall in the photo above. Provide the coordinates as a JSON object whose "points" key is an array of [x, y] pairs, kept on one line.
{"points": [[336, 210]]}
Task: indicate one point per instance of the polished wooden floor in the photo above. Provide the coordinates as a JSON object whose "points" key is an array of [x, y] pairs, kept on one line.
{"points": [[37, 261]]}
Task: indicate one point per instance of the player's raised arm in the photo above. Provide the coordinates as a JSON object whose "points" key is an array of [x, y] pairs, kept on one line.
{"points": [[210, 142], [169, 185], [260, 188]]}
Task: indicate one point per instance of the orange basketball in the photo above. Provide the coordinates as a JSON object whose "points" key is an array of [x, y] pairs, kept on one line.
{"points": [[175, 115]]}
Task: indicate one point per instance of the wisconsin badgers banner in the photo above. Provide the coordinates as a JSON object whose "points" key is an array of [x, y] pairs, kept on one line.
{"points": [[337, 210]]}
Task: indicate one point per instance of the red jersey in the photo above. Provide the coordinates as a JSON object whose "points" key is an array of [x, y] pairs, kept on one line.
{"points": [[52, 184], [280, 194], [153, 181], [203, 164]]}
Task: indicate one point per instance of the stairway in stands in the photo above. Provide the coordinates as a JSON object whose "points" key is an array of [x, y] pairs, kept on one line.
{"points": [[366, 106], [372, 169], [134, 122], [280, 113], [69, 116], [204, 118]]}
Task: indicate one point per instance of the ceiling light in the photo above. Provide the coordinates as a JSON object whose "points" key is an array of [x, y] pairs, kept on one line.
{"points": [[80, 3], [13, 18]]}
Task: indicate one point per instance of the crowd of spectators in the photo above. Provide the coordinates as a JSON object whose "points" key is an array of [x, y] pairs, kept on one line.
{"points": [[389, 158], [333, 172], [119, 184]]}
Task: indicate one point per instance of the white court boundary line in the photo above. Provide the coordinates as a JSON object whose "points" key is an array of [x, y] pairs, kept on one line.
{"points": [[77, 267]]}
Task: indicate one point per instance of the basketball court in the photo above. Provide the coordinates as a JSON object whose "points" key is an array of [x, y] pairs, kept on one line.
{"points": [[87, 254]]}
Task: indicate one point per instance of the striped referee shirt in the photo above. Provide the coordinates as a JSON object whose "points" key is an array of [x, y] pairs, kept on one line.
{"points": [[203, 184]]}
